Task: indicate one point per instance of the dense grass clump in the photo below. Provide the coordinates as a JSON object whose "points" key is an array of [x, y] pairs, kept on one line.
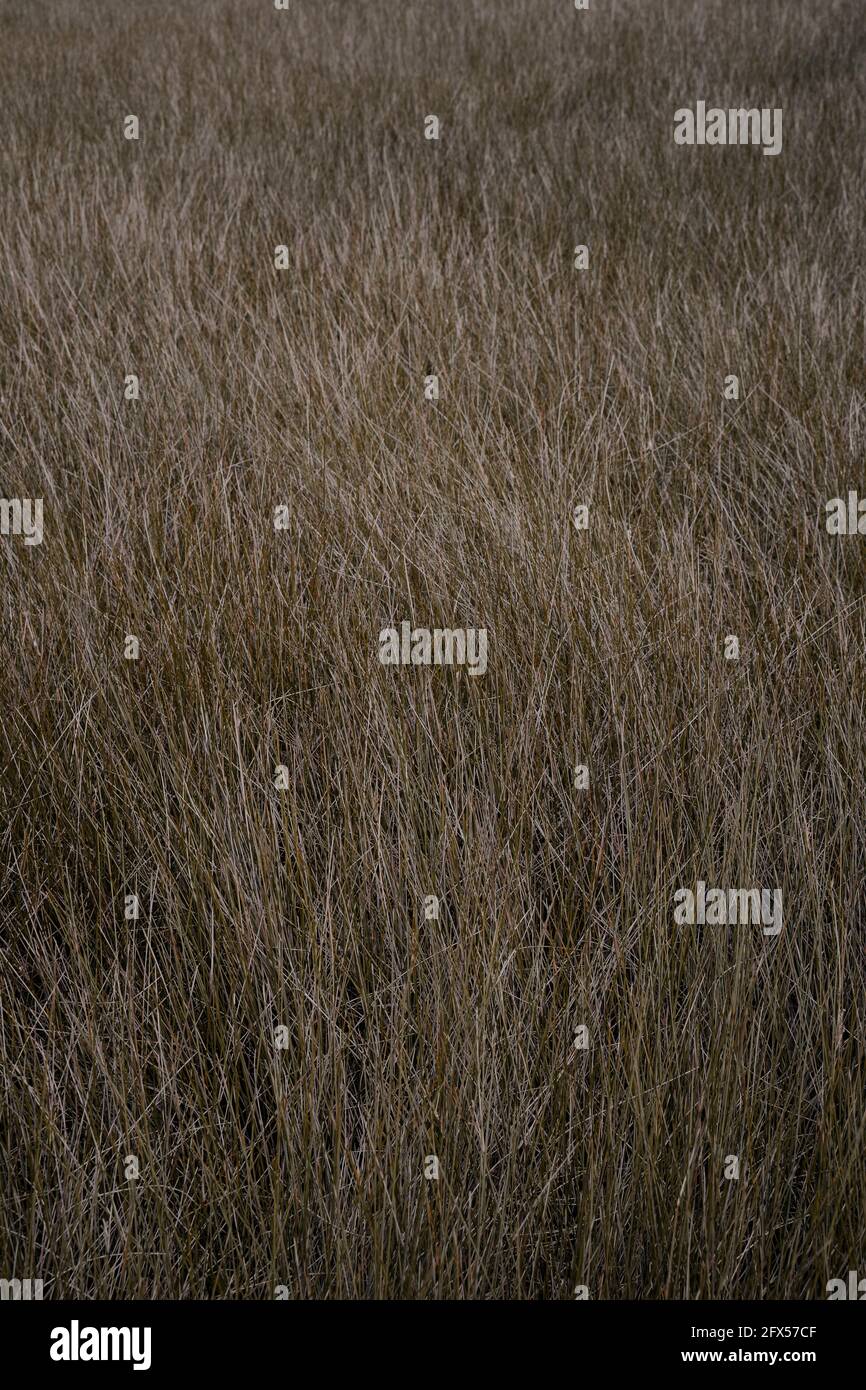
{"points": [[303, 908]]}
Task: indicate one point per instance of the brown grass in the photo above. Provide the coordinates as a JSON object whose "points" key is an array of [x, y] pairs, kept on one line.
{"points": [[304, 1167]]}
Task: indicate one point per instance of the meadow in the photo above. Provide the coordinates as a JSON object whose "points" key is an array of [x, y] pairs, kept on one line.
{"points": [[283, 1037]]}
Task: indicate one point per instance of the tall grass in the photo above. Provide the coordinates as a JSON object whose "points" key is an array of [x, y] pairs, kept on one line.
{"points": [[304, 1166]]}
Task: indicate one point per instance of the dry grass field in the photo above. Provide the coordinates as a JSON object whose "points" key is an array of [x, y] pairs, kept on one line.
{"points": [[302, 1167]]}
